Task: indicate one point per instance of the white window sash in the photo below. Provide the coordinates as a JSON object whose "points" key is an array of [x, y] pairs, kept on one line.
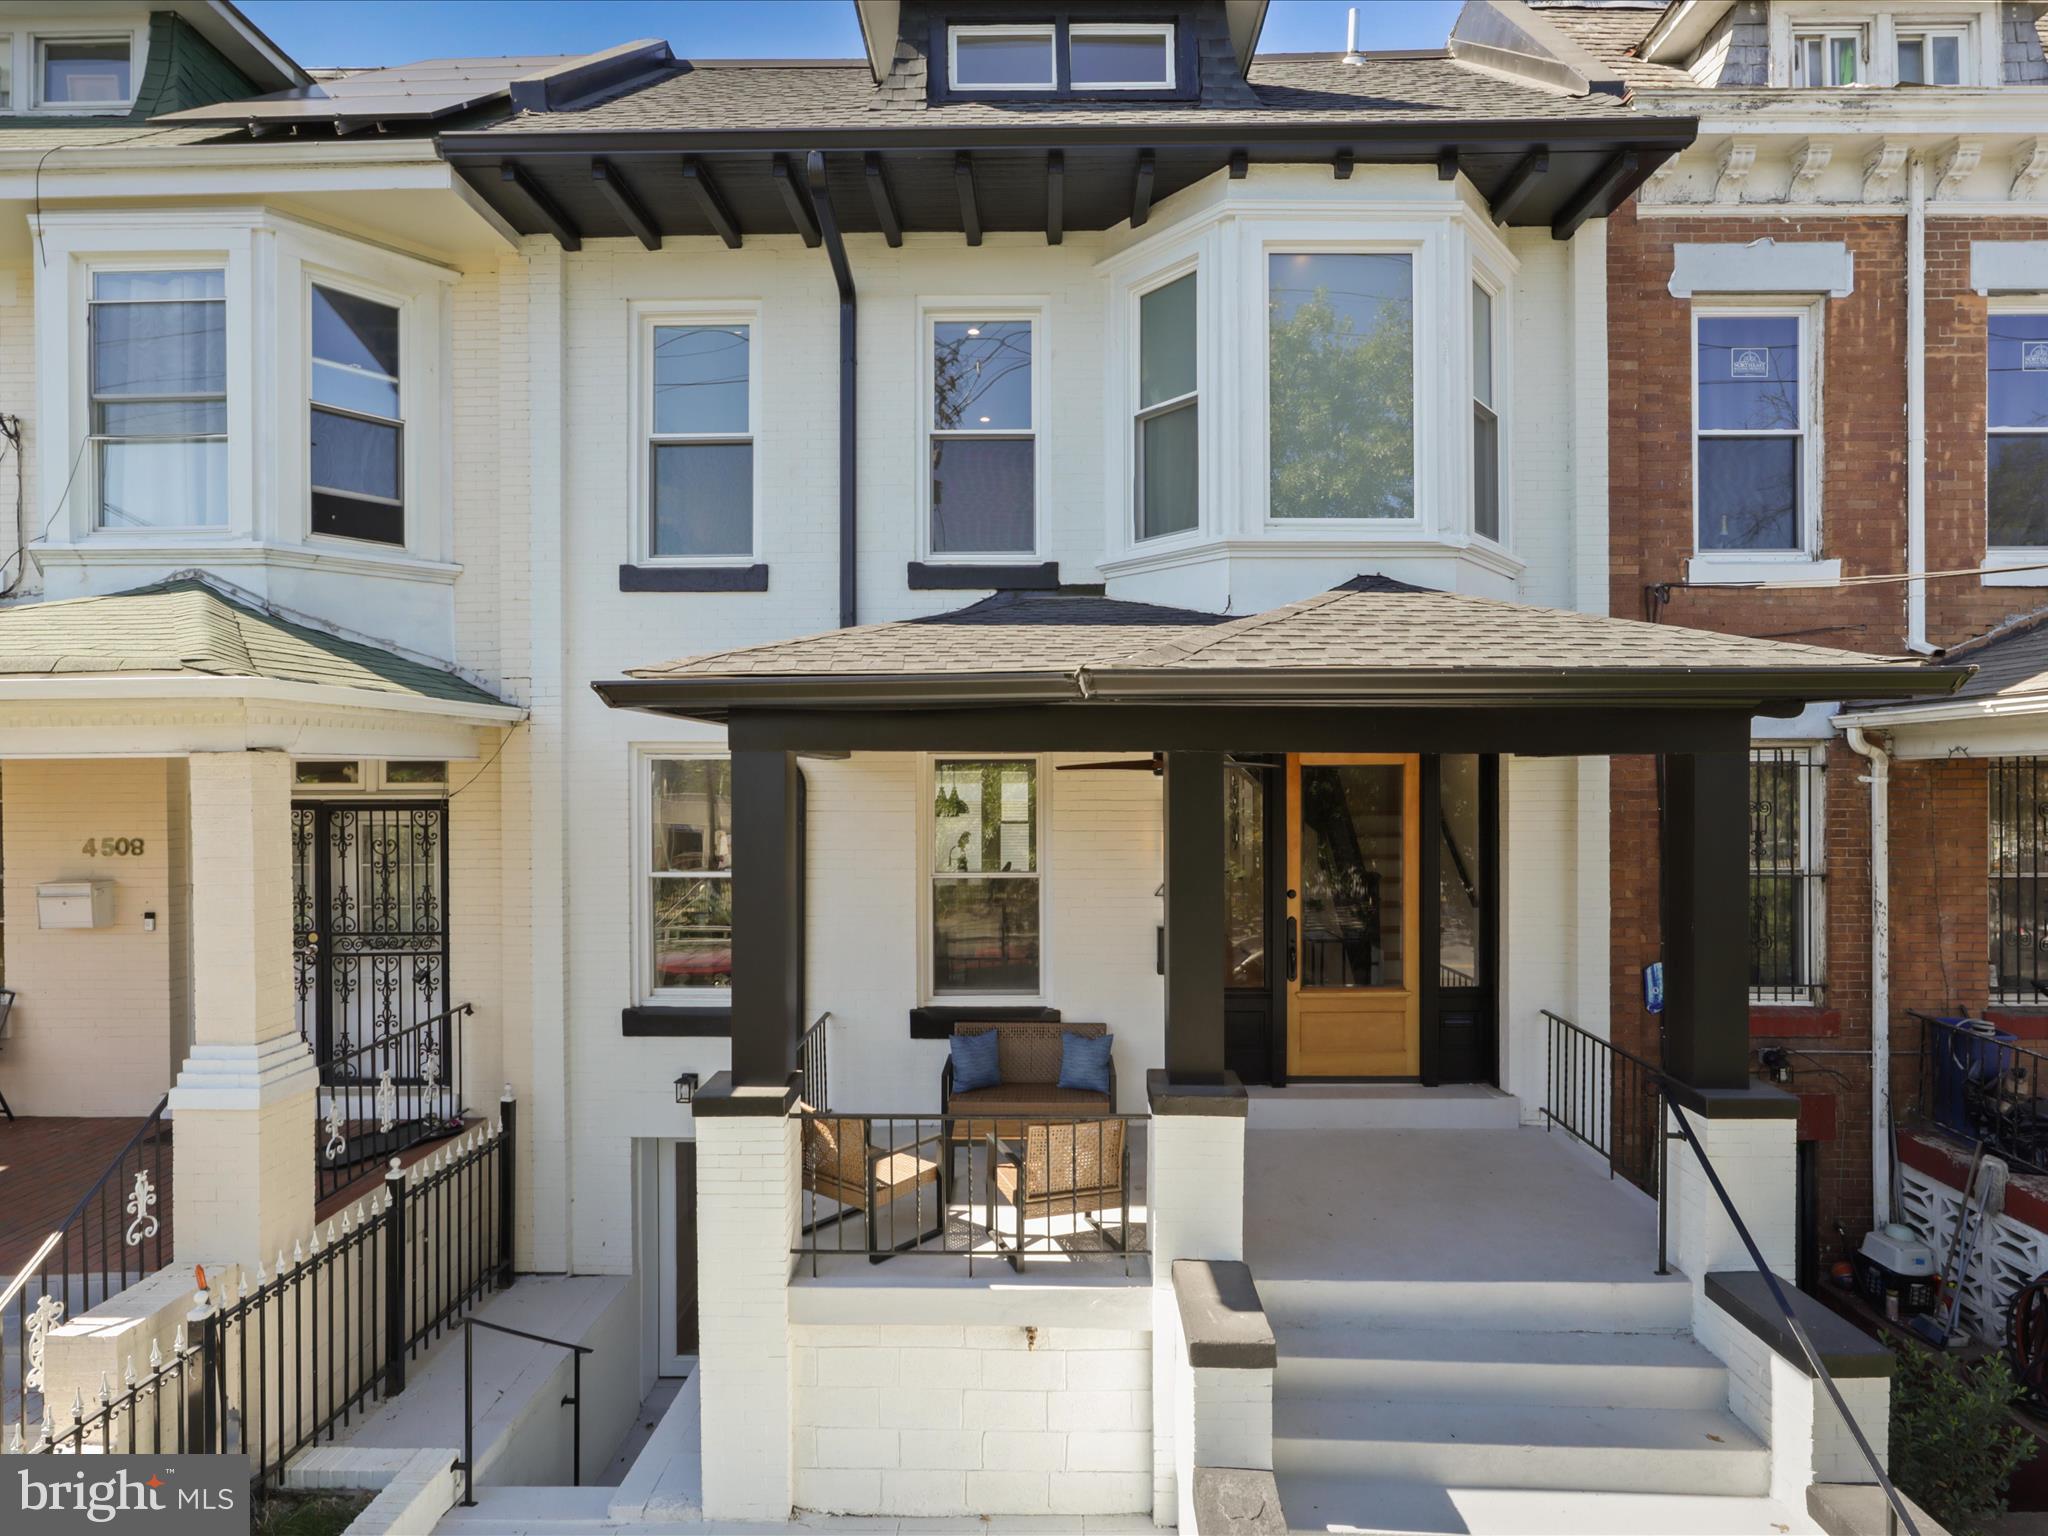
{"points": [[1163, 31], [1043, 30], [650, 320], [927, 947], [646, 878], [1809, 485]]}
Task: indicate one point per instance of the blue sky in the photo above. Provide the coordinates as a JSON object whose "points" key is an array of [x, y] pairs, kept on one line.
{"points": [[362, 32]]}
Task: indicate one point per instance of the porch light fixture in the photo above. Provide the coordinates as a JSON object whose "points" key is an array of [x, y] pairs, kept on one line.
{"points": [[686, 1087]]}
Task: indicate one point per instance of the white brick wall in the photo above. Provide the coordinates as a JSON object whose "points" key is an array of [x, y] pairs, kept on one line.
{"points": [[1755, 1159], [973, 1420]]}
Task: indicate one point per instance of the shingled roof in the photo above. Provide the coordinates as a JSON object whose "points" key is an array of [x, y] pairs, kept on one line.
{"points": [[1372, 639], [186, 626]]}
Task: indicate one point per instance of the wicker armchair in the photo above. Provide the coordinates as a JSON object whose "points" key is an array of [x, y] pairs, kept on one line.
{"points": [[863, 1180], [1066, 1168]]}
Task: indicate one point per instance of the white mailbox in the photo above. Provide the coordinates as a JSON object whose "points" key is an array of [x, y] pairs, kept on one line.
{"points": [[75, 904]]}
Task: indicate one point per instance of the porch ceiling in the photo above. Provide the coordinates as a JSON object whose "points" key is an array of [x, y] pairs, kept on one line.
{"points": [[1371, 643]]}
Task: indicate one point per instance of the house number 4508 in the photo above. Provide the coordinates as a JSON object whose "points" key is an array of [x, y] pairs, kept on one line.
{"points": [[112, 847]]}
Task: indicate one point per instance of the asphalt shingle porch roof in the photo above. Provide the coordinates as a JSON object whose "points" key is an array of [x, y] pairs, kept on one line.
{"points": [[1371, 640]]}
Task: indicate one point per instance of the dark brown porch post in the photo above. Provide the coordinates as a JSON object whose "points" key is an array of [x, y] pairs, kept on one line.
{"points": [[767, 917], [1194, 917], [1705, 882]]}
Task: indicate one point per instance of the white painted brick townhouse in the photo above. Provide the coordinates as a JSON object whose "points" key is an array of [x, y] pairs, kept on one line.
{"points": [[929, 734]]}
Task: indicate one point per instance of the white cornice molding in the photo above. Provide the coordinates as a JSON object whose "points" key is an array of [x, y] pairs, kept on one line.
{"points": [[1923, 111], [1738, 158], [1881, 168], [1810, 157], [1955, 165]]}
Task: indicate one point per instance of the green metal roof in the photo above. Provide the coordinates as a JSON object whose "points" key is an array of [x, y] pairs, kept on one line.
{"points": [[185, 625]]}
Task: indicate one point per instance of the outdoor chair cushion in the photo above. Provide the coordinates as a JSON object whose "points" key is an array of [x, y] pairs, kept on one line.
{"points": [[1008, 1098], [1084, 1062], [976, 1063]]}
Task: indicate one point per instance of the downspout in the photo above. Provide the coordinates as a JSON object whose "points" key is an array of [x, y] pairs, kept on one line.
{"points": [[849, 318], [1916, 406], [1879, 781]]}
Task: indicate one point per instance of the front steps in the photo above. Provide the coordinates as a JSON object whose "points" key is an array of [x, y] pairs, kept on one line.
{"points": [[1382, 1106]]}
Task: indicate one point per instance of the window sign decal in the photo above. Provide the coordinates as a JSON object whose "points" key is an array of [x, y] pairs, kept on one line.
{"points": [[2034, 357], [1749, 363]]}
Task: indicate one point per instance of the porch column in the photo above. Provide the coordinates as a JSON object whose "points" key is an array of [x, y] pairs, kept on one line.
{"points": [[1706, 934], [243, 1104], [1194, 917], [767, 917]]}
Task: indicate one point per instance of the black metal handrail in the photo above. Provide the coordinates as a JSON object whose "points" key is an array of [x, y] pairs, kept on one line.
{"points": [[575, 1399], [813, 1063], [1896, 1511], [902, 1179], [388, 1094], [1608, 1099], [90, 1251]]}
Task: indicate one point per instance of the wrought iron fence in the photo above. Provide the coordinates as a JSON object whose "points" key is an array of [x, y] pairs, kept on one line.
{"points": [[268, 1363], [812, 1064], [1608, 1098], [972, 1189], [1981, 1083], [1787, 876], [389, 1093], [117, 1232]]}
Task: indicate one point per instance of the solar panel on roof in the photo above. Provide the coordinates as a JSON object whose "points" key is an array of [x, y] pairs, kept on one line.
{"points": [[429, 89]]}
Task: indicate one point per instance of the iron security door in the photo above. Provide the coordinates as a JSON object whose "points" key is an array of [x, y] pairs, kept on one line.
{"points": [[370, 929]]}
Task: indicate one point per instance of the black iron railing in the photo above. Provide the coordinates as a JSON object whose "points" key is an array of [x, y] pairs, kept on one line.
{"points": [[268, 1364], [389, 1094], [1608, 1098], [972, 1188], [118, 1232], [1980, 1083], [813, 1064], [573, 1401]]}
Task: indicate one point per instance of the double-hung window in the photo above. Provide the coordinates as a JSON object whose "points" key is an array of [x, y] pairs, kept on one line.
{"points": [[700, 446], [985, 894], [158, 348], [1485, 420], [983, 444], [1752, 464], [1828, 57], [1167, 436], [1787, 928], [2016, 443], [1341, 384], [357, 459], [688, 898], [1931, 55]]}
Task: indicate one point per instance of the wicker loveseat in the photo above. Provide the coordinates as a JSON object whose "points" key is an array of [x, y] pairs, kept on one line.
{"points": [[1028, 1056]]}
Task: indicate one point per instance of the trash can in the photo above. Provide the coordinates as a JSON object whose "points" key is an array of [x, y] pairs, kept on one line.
{"points": [[1970, 1053]]}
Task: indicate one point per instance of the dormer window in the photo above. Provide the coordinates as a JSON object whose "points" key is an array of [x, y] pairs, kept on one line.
{"points": [[1931, 57], [88, 73], [1102, 57], [1829, 58], [1002, 59]]}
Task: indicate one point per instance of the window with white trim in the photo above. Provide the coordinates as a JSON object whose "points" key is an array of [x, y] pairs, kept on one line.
{"points": [[700, 442], [686, 911], [1001, 58], [85, 73], [1932, 55], [2016, 428], [1105, 56], [1485, 419], [986, 892], [1754, 481], [983, 442], [357, 458], [1787, 873], [1831, 56], [1340, 381], [1167, 424], [157, 344]]}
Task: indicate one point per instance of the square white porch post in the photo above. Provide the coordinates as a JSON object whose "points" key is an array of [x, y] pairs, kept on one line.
{"points": [[244, 1102]]}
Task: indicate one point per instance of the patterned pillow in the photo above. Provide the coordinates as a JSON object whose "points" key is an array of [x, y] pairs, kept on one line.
{"points": [[1084, 1061]]}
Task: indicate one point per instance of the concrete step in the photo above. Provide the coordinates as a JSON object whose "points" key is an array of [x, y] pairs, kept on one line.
{"points": [[1382, 1106], [1468, 1445], [1614, 1370], [1426, 1509], [1650, 1305]]}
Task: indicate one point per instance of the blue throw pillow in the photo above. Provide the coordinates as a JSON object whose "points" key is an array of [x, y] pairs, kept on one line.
{"points": [[1084, 1061], [974, 1062]]}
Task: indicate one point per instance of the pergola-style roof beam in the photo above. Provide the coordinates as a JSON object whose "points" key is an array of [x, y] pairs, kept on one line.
{"points": [[1055, 196], [963, 186], [710, 201], [796, 200], [1522, 180], [879, 195], [627, 206], [552, 219], [1141, 188], [1611, 181]]}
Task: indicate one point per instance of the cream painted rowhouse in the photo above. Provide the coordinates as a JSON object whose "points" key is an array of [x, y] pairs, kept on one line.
{"points": [[1134, 514]]}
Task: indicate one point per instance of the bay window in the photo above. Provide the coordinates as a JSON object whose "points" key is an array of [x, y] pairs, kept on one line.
{"points": [[2016, 439], [688, 878], [157, 342], [1752, 459], [358, 433], [983, 447], [1485, 420], [1341, 385], [985, 877], [1167, 423], [700, 445]]}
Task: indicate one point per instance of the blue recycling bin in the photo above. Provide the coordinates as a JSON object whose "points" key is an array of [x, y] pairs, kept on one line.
{"points": [[1966, 1058]]}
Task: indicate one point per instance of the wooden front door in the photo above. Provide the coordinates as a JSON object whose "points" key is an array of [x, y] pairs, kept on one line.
{"points": [[1353, 915]]}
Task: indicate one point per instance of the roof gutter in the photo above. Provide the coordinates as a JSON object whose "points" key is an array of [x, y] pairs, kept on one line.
{"points": [[849, 362]]}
